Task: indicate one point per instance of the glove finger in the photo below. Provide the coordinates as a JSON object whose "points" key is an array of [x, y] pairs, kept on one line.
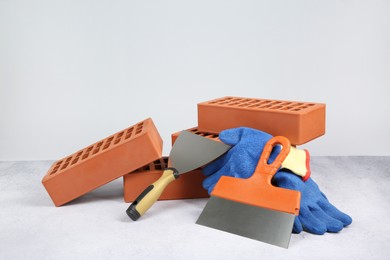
{"points": [[212, 180], [231, 136], [311, 223], [297, 228], [214, 166], [286, 179], [332, 225], [335, 213], [209, 183], [274, 153]]}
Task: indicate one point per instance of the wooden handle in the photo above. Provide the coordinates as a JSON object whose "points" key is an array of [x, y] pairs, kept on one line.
{"points": [[151, 194]]}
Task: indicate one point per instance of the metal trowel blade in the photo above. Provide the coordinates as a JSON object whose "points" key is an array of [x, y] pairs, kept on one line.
{"points": [[192, 151]]}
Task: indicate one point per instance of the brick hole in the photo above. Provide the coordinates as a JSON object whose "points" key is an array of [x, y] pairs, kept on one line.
{"points": [[143, 168], [139, 129], [296, 109], [164, 163], [89, 149], [265, 106], [273, 103], [310, 105], [158, 167], [219, 101], [118, 137], [64, 166], [55, 169], [96, 150], [58, 163], [75, 160], [228, 98], [277, 107], [85, 156], [129, 133], [106, 146], [244, 105]]}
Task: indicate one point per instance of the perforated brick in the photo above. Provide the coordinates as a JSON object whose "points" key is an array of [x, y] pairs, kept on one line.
{"points": [[103, 162], [195, 130], [300, 122], [187, 186]]}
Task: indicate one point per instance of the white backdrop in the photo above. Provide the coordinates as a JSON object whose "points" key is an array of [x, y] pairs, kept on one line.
{"points": [[73, 72]]}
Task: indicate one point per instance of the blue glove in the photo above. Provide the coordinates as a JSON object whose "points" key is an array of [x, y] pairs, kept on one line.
{"points": [[316, 214], [241, 160]]}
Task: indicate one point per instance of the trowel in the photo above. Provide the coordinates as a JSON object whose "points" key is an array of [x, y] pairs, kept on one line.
{"points": [[189, 152]]}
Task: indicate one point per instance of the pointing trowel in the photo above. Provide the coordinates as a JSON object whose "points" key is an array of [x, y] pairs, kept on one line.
{"points": [[189, 152]]}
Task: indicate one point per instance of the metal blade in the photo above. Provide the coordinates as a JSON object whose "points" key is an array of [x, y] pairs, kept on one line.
{"points": [[269, 226], [192, 151]]}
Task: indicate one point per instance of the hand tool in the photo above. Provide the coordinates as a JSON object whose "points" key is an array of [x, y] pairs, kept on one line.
{"points": [[252, 207], [189, 152]]}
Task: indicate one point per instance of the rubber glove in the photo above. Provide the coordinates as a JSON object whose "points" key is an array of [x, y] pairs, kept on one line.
{"points": [[241, 160], [316, 215]]}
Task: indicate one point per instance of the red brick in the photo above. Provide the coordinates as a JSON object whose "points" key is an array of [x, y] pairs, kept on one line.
{"points": [[102, 162], [300, 122]]}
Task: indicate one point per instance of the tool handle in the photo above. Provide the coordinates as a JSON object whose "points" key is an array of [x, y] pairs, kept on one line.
{"points": [[150, 195], [270, 169]]}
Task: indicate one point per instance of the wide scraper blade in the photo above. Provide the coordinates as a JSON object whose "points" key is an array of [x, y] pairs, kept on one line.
{"points": [[269, 226], [192, 151]]}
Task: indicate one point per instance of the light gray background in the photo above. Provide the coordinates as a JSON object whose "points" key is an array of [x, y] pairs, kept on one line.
{"points": [[73, 72]]}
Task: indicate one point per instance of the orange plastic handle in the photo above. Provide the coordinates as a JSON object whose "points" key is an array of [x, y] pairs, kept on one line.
{"points": [[258, 190], [270, 169]]}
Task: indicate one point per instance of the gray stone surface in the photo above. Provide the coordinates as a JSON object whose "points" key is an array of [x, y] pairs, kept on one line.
{"points": [[95, 226]]}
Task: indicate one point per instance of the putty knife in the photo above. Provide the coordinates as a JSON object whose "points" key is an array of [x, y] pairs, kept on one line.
{"points": [[252, 207], [189, 152]]}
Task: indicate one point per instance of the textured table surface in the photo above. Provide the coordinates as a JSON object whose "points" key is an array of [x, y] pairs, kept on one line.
{"points": [[95, 226]]}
